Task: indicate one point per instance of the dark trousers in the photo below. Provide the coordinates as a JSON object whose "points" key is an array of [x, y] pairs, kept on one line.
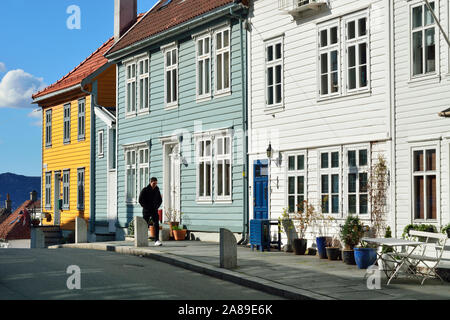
{"points": [[155, 219]]}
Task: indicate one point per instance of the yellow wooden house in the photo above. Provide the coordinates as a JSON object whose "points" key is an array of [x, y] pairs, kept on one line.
{"points": [[68, 137]]}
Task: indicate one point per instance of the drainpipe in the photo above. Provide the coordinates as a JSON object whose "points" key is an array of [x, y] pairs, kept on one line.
{"points": [[245, 230]]}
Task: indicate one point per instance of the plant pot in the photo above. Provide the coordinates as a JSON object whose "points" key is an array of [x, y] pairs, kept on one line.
{"points": [[171, 225], [348, 256], [299, 246], [333, 253], [179, 235], [152, 232], [312, 251], [321, 245], [365, 257]]}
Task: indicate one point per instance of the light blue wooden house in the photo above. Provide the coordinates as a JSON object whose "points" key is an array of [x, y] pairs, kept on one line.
{"points": [[181, 112]]}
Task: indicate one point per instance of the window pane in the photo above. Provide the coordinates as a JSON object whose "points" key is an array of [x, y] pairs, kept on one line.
{"points": [[201, 179], [269, 53], [324, 84], [227, 178], [226, 82], [351, 204], [430, 55], [278, 90], [431, 160], [428, 16], [270, 75], [334, 82], [146, 93], [352, 78], [352, 158], [301, 162], [226, 38], [324, 63], [168, 59], [301, 185], [200, 77], [174, 57], [291, 185], [219, 71], [335, 204], [141, 94], [208, 148], [324, 160], [418, 161], [325, 204], [208, 179], [278, 51], [351, 26], [323, 38], [362, 28], [431, 197], [352, 182], [220, 146], [417, 17], [335, 159], [325, 188], [334, 61], [417, 53], [363, 157], [418, 198], [278, 74], [169, 86], [291, 204], [174, 85], [363, 182], [351, 56], [363, 204], [362, 53], [335, 183], [200, 47], [207, 46], [227, 147], [207, 76], [291, 163], [219, 41], [333, 35], [220, 178], [363, 76]]}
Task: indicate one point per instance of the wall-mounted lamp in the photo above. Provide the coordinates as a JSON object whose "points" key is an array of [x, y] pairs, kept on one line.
{"points": [[270, 154]]}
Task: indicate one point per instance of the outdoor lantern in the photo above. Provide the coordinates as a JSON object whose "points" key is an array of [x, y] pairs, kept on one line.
{"points": [[269, 151]]}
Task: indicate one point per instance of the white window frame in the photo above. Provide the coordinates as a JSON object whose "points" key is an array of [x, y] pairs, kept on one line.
{"points": [[273, 64], [330, 172], [66, 126], [48, 128], [81, 119], [130, 164], [66, 189], [48, 190], [143, 164], [204, 57], [328, 49], [358, 40], [356, 170], [172, 67], [424, 75], [222, 52], [224, 157], [203, 198], [101, 143], [143, 76], [130, 80], [81, 176], [423, 147], [296, 173]]}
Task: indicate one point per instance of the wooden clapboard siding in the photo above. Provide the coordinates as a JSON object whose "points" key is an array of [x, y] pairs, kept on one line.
{"points": [[101, 174], [417, 104], [217, 113], [60, 157], [107, 87]]}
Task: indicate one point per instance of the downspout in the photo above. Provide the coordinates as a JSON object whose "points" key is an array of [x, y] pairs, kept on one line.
{"points": [[245, 231]]}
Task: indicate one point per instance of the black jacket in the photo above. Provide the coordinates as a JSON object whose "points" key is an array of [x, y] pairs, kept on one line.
{"points": [[150, 200]]}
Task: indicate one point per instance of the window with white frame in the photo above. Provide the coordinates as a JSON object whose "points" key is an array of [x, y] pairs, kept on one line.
{"points": [[296, 176], [143, 168], [204, 169], [329, 181], [357, 52], [101, 144], [143, 85], [81, 119], [112, 148], [424, 177], [357, 170], [423, 39], [329, 60], [222, 57], [66, 136], [274, 72], [130, 172], [66, 189], [223, 169], [203, 67], [48, 128], [171, 76], [131, 88], [80, 188], [48, 190]]}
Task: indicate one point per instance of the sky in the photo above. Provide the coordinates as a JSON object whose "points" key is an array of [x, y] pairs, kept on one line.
{"points": [[38, 46]]}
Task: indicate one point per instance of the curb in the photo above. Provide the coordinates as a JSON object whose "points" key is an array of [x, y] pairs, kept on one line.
{"points": [[256, 283]]}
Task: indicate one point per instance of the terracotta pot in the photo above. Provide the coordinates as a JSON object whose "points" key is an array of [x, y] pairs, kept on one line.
{"points": [[152, 232], [173, 224], [179, 235]]}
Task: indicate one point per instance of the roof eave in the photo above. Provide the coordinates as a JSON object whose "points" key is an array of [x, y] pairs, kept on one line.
{"points": [[56, 93]]}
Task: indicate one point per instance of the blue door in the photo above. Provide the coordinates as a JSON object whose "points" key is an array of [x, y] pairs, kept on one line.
{"points": [[261, 189]]}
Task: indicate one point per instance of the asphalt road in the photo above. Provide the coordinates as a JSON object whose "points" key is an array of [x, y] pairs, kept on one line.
{"points": [[42, 275]]}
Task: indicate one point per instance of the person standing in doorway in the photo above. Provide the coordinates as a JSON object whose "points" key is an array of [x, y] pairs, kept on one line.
{"points": [[150, 200]]}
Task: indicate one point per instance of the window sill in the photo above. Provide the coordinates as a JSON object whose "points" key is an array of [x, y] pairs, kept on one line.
{"points": [[423, 221], [101, 156], [201, 99], [421, 80], [221, 94], [143, 112], [224, 201], [351, 94], [130, 115], [81, 139], [169, 107], [274, 109], [66, 143], [48, 147], [204, 202]]}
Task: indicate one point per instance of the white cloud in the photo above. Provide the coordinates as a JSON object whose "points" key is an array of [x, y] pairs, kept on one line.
{"points": [[17, 87], [2, 67], [36, 115]]}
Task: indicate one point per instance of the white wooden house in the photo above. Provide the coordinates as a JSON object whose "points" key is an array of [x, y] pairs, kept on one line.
{"points": [[320, 95]]}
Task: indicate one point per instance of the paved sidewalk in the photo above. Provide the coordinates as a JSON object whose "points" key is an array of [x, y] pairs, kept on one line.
{"points": [[279, 273]]}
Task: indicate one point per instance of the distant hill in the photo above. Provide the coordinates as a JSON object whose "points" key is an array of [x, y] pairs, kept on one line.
{"points": [[18, 187]]}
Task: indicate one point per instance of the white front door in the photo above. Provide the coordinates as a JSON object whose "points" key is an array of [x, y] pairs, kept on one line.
{"points": [[172, 178]]}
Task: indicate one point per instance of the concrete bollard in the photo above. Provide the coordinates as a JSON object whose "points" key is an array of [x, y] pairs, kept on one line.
{"points": [[37, 238], [140, 232], [80, 230], [228, 249]]}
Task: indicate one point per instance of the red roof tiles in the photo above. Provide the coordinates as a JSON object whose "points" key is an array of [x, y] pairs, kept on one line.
{"points": [[17, 226], [162, 18]]}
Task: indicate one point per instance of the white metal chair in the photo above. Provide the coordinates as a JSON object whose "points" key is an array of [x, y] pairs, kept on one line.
{"points": [[429, 263]]}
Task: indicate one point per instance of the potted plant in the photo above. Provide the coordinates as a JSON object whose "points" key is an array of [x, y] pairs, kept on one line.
{"points": [[286, 224], [302, 219], [179, 233], [172, 218], [351, 233], [323, 222], [334, 250], [446, 229]]}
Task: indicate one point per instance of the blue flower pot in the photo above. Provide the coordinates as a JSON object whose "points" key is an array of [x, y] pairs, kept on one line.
{"points": [[365, 257], [321, 247]]}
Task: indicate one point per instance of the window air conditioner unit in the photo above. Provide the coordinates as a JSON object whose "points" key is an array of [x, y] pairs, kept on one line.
{"points": [[295, 7]]}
